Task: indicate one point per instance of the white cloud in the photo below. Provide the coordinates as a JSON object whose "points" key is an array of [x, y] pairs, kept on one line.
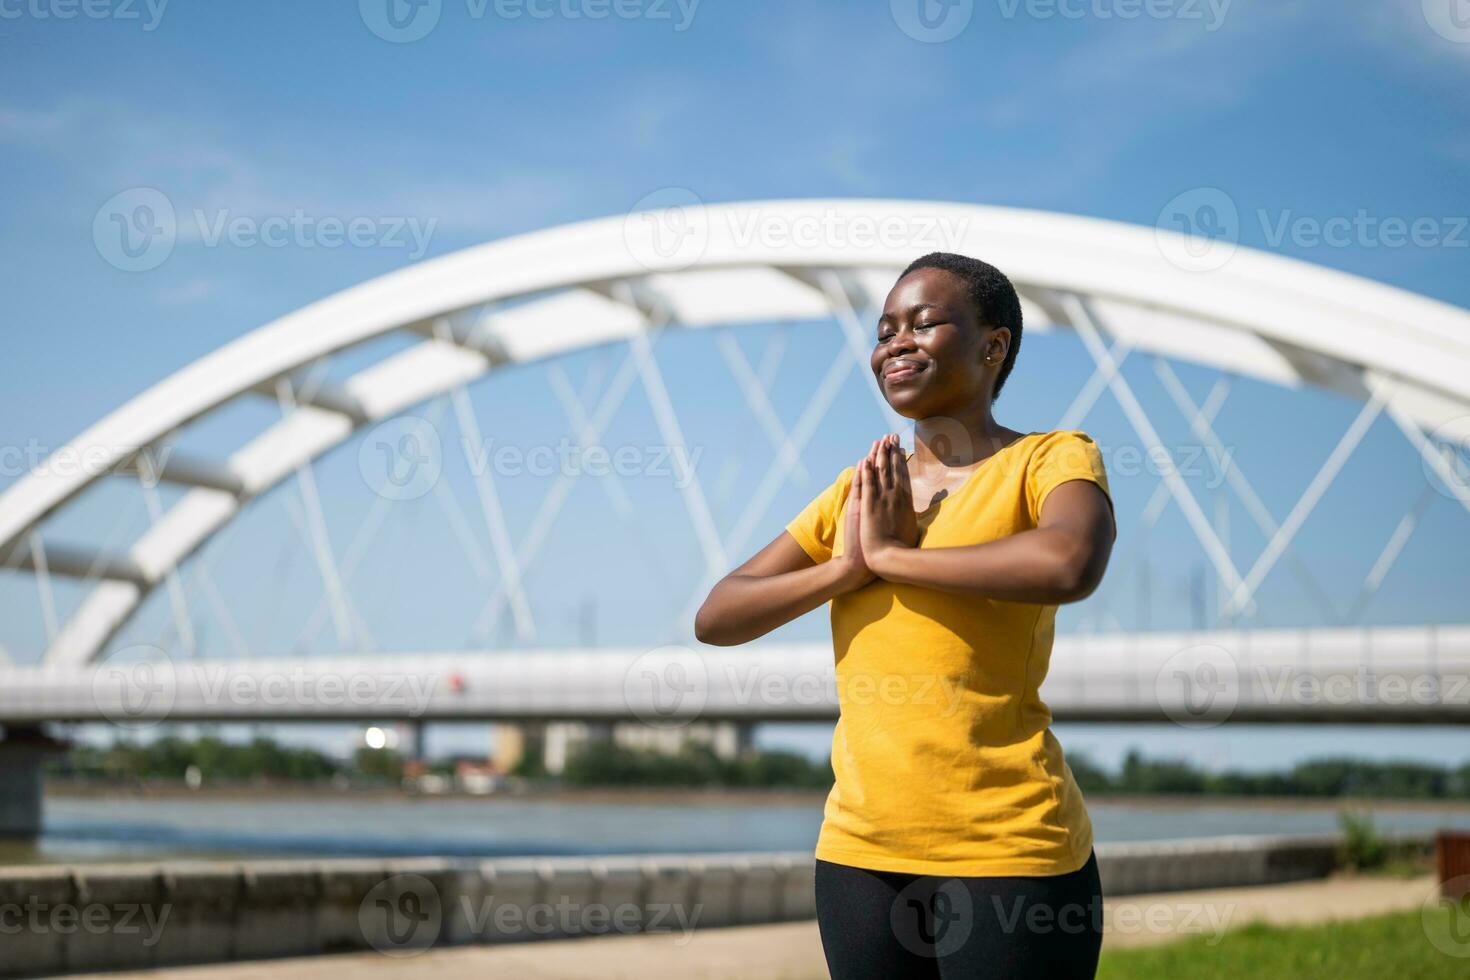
{"points": [[28, 126], [118, 146]]}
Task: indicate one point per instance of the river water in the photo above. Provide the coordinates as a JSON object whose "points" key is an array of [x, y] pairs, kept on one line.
{"points": [[88, 828]]}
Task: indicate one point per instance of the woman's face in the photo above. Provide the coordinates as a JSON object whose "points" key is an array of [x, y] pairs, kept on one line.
{"points": [[932, 357]]}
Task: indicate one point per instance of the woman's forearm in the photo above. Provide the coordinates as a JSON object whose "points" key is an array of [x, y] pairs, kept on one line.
{"points": [[744, 607], [1042, 565]]}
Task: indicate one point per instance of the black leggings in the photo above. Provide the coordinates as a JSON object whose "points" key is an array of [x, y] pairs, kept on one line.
{"points": [[884, 924]]}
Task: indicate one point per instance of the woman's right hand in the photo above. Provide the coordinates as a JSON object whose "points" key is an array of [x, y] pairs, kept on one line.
{"points": [[855, 573], [782, 582]]}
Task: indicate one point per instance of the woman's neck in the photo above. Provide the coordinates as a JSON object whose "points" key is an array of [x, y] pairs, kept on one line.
{"points": [[951, 441]]}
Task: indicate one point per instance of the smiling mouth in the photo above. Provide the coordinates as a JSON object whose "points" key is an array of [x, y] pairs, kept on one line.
{"points": [[901, 370]]}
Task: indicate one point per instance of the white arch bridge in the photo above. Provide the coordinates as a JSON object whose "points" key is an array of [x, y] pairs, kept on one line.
{"points": [[1121, 290]]}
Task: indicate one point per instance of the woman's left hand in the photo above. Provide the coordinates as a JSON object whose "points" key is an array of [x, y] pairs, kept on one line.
{"points": [[888, 519]]}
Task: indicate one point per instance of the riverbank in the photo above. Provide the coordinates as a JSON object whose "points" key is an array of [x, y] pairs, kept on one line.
{"points": [[224, 911], [793, 950]]}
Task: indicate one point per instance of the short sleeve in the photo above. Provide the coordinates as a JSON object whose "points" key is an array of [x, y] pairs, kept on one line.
{"points": [[815, 528], [1061, 457]]}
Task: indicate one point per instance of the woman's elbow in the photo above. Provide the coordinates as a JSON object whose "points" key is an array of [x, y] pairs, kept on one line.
{"points": [[1079, 587], [1079, 574], [709, 630], [705, 631], [716, 636]]}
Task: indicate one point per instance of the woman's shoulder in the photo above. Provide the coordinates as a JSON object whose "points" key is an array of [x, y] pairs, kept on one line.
{"points": [[1053, 439], [838, 488], [1058, 449], [1063, 434], [844, 477]]}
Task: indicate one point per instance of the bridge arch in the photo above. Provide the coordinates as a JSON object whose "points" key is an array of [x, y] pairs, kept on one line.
{"points": [[619, 279]]}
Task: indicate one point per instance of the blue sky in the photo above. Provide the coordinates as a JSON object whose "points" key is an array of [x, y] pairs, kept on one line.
{"points": [[502, 122]]}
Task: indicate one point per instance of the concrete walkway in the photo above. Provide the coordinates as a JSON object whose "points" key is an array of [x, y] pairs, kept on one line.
{"points": [[793, 951]]}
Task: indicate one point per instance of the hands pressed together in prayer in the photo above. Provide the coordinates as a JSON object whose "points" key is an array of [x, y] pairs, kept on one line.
{"points": [[880, 512]]}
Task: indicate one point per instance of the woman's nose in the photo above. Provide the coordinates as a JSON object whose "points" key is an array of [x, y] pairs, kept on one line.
{"points": [[903, 340]]}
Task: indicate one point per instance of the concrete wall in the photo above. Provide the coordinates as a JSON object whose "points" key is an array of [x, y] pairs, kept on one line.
{"points": [[63, 919]]}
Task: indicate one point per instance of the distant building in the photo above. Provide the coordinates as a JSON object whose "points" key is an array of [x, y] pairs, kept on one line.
{"points": [[556, 741]]}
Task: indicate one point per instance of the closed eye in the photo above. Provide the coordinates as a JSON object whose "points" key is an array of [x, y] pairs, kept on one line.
{"points": [[886, 337]]}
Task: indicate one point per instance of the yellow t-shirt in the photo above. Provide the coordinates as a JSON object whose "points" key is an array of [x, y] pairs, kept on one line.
{"points": [[943, 755]]}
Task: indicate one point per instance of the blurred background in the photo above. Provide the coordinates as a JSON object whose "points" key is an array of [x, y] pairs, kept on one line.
{"points": [[1239, 228]]}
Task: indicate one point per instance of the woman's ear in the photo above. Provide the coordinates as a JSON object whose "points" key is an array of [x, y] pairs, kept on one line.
{"points": [[997, 343]]}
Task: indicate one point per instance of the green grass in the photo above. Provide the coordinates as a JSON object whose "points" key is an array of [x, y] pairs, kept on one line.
{"points": [[1390, 946]]}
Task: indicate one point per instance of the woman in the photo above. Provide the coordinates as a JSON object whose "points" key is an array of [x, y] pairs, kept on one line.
{"points": [[955, 842]]}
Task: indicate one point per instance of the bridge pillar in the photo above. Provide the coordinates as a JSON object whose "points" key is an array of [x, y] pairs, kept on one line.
{"points": [[731, 738], [23, 755], [415, 750]]}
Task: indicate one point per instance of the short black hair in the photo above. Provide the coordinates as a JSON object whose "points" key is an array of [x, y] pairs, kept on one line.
{"points": [[991, 293]]}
